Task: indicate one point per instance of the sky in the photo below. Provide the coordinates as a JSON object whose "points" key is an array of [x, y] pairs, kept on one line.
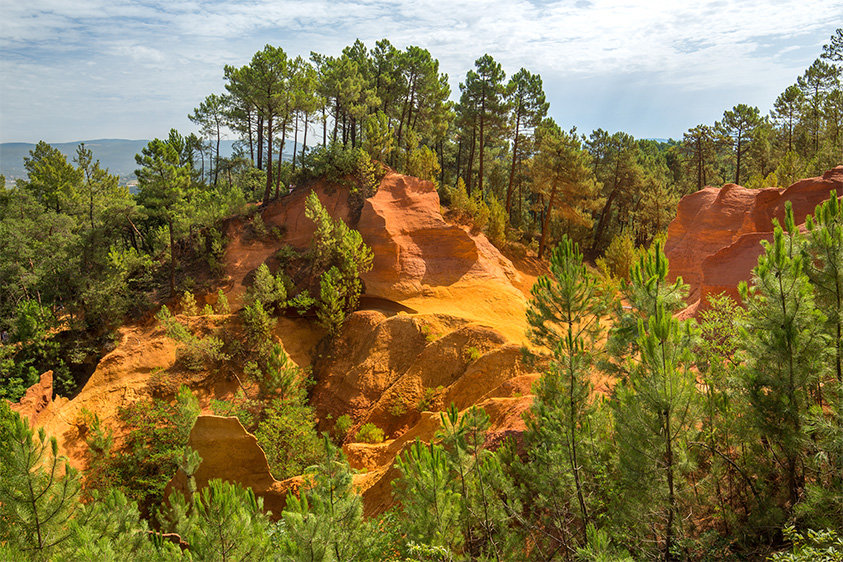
{"points": [[92, 69]]}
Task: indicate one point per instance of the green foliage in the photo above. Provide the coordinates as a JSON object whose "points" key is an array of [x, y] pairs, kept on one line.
{"points": [[288, 437], [259, 227], [194, 353], [564, 316], [474, 207], [368, 177], [38, 491], [787, 357], [423, 164], [270, 290], [399, 406], [655, 415], [258, 325], [378, 141], [341, 427], [221, 307], [430, 503], [326, 521], [498, 220], [189, 307], [619, 257], [339, 257], [825, 269], [335, 163], [427, 400], [156, 437], [226, 522], [812, 546], [330, 311], [472, 354], [369, 433]]}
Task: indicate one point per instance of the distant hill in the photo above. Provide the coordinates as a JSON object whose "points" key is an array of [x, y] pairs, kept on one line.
{"points": [[118, 155]]}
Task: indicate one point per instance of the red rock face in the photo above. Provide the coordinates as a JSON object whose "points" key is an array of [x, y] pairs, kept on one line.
{"points": [[37, 401], [415, 248], [714, 241]]}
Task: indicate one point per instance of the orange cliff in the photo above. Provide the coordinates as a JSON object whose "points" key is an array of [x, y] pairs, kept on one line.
{"points": [[715, 239], [420, 261], [460, 341]]}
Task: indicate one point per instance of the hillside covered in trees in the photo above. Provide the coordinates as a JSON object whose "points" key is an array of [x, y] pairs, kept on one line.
{"points": [[227, 286]]}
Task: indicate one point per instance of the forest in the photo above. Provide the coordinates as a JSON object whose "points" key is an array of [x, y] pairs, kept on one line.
{"points": [[720, 439]]}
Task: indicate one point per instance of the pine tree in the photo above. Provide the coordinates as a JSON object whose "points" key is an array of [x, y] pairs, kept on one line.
{"points": [[786, 353], [737, 129], [655, 417], [38, 491], [228, 524], [563, 181], [428, 496], [564, 317], [529, 108]]}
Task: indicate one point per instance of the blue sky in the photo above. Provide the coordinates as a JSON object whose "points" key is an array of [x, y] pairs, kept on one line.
{"points": [[88, 69]]}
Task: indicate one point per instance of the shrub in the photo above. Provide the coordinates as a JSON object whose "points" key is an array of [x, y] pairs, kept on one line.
{"points": [[619, 256], [268, 289], [258, 325], [259, 227], [189, 307], [339, 257], [341, 427], [156, 437], [334, 162], [193, 353], [426, 401], [819, 546], [288, 436], [369, 433], [473, 206], [496, 230], [222, 303], [399, 405]]}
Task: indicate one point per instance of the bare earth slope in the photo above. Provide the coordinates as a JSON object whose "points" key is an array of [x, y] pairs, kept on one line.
{"points": [[714, 241]]}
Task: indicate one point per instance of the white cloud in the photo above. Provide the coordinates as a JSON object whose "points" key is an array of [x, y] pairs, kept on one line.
{"points": [[173, 51]]}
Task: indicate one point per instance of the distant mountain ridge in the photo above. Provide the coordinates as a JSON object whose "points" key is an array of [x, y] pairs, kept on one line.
{"points": [[118, 155]]}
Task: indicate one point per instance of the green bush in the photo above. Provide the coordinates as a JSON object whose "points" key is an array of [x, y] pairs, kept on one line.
{"points": [[268, 289], [156, 436], [474, 206], [341, 427], [259, 227], [189, 307], [338, 258], [258, 325], [369, 433], [194, 353], [222, 304], [496, 230], [812, 546], [427, 400], [334, 162], [619, 256], [288, 436]]}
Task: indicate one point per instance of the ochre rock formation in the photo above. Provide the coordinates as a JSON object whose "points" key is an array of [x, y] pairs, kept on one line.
{"points": [[36, 405], [460, 344], [420, 260], [232, 454], [381, 368], [714, 241]]}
